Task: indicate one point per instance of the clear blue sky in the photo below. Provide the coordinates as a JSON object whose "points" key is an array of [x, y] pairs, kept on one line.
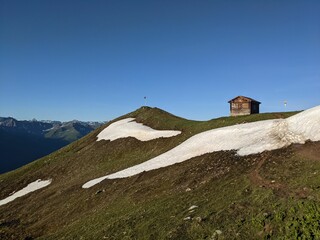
{"points": [[96, 60]]}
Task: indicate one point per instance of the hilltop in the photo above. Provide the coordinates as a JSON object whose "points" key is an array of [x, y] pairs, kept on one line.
{"points": [[217, 195]]}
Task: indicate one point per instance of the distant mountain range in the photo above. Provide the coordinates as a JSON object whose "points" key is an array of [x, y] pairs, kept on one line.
{"points": [[24, 141]]}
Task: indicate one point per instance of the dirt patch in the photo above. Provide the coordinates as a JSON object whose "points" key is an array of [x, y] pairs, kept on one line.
{"points": [[260, 181], [266, 172], [308, 151], [10, 223]]}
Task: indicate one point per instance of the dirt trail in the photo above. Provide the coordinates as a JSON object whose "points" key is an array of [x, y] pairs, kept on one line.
{"points": [[258, 180]]}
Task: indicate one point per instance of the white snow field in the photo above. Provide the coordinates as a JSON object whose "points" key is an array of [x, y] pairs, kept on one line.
{"points": [[129, 128], [38, 184], [248, 138]]}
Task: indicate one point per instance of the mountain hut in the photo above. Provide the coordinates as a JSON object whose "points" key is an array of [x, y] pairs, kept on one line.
{"points": [[243, 106]]}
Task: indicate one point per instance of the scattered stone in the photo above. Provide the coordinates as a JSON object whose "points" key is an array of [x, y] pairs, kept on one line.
{"points": [[215, 234], [273, 181], [99, 191], [310, 197], [193, 207], [188, 189], [187, 218], [198, 219], [266, 214]]}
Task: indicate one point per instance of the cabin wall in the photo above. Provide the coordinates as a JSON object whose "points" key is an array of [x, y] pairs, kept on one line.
{"points": [[239, 112], [241, 107]]}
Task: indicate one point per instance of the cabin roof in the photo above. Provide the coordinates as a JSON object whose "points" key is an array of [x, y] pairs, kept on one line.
{"points": [[250, 99]]}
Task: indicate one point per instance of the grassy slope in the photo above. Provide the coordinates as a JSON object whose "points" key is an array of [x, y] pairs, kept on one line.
{"points": [[234, 194]]}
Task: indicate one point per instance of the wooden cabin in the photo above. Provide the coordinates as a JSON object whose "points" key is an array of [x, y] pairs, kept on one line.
{"points": [[243, 106]]}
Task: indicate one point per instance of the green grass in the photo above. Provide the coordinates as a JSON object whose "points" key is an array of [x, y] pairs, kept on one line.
{"points": [[154, 205]]}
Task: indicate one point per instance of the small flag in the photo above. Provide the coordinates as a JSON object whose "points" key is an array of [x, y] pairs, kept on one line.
{"points": [[145, 100]]}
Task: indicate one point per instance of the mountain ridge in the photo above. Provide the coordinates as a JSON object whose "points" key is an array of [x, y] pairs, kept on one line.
{"points": [[25, 141]]}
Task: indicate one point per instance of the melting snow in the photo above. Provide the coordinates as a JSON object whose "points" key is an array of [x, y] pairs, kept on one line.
{"points": [[248, 138], [38, 184], [129, 128]]}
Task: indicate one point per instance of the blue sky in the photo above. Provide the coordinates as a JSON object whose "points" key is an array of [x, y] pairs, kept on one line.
{"points": [[96, 60]]}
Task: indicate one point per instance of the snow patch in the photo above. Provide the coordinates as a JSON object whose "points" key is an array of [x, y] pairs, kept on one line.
{"points": [[246, 139], [38, 184], [129, 128]]}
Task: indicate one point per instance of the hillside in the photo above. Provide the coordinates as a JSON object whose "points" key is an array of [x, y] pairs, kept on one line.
{"points": [[25, 141], [217, 195]]}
